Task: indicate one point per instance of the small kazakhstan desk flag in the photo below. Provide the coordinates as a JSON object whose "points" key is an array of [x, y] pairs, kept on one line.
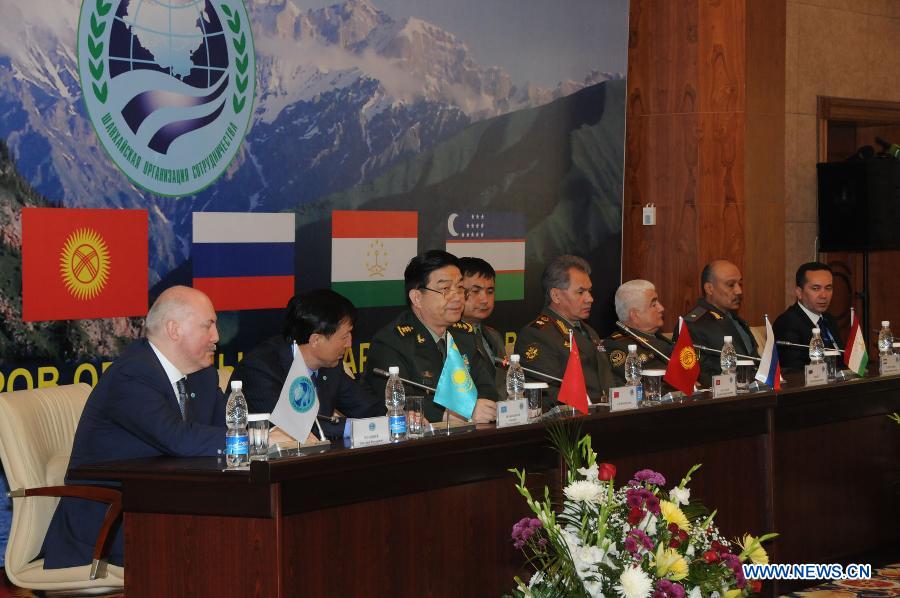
{"points": [[298, 404], [455, 389]]}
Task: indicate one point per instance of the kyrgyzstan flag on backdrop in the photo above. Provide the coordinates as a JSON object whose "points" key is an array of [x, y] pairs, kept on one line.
{"points": [[79, 263]]}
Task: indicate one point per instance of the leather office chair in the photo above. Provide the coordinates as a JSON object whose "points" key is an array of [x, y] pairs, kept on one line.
{"points": [[37, 428], [759, 335], [224, 377]]}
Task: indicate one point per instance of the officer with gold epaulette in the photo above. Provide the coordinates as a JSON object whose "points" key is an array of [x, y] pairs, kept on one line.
{"points": [[544, 343], [416, 340], [715, 317], [639, 308]]}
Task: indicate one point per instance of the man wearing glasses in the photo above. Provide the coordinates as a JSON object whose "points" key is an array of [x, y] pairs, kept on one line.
{"points": [[416, 340]]}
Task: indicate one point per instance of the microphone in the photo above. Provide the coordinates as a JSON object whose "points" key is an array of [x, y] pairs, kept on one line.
{"points": [[719, 352], [504, 362], [799, 346], [866, 152], [381, 372], [636, 337]]}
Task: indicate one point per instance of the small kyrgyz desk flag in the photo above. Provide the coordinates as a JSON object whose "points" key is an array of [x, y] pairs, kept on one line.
{"points": [[455, 389], [573, 391], [298, 403], [684, 367], [79, 263]]}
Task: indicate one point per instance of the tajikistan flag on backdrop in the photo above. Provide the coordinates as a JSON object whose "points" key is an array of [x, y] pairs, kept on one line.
{"points": [[499, 239], [369, 251]]}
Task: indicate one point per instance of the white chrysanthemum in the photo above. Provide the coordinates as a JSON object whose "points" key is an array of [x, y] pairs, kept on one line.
{"points": [[593, 588], [537, 578], [591, 473], [695, 592], [634, 583], [680, 496], [584, 491]]}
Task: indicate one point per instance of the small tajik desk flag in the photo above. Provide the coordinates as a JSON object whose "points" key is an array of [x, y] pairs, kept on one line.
{"points": [[455, 389], [769, 371], [298, 403], [855, 355]]}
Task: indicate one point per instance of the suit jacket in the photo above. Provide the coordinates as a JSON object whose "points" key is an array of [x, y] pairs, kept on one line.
{"points": [[709, 326], [132, 413], [796, 327], [544, 346], [264, 370], [407, 343]]}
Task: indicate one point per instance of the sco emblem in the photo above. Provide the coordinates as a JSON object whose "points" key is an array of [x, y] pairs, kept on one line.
{"points": [[302, 394]]}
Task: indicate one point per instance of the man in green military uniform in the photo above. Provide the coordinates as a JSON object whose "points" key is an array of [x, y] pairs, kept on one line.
{"points": [[715, 317], [479, 278], [544, 343], [416, 340], [638, 307]]}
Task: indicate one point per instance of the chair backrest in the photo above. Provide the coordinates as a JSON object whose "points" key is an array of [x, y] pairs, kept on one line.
{"points": [[37, 428], [224, 377], [759, 335]]}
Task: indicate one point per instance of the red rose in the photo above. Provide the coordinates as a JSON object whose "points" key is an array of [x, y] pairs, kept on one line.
{"points": [[755, 586], [607, 472], [710, 556], [635, 515]]}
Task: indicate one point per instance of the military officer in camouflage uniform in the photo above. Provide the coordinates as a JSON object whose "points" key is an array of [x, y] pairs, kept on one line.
{"points": [[544, 343], [715, 317], [638, 307], [416, 342], [479, 278]]}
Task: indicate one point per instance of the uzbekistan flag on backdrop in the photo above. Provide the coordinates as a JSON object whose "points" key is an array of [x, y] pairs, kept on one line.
{"points": [[80, 264], [369, 251], [769, 371], [499, 239], [855, 355], [244, 260]]}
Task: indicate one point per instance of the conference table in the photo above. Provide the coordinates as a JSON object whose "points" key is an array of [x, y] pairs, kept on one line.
{"points": [[432, 517]]}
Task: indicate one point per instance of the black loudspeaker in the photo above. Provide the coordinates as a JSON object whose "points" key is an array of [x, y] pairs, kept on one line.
{"points": [[859, 205]]}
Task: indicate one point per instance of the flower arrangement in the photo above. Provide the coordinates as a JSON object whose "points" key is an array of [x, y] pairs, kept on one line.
{"points": [[636, 541]]}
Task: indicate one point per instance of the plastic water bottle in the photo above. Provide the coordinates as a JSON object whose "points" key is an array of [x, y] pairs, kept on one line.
{"points": [[885, 339], [237, 442], [395, 401], [728, 357], [633, 371], [515, 379], [816, 347]]}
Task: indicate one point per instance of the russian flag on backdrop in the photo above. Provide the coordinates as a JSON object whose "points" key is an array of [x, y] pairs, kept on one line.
{"points": [[499, 239], [244, 260], [769, 371], [79, 263], [369, 251]]}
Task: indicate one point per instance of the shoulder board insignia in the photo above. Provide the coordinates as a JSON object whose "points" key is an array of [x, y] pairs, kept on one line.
{"points": [[404, 330], [420, 339], [617, 358], [532, 352], [562, 327], [695, 313], [463, 326], [616, 335], [544, 319], [539, 323], [715, 315]]}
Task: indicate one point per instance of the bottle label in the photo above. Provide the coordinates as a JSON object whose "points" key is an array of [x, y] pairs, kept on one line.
{"points": [[237, 445], [398, 424]]}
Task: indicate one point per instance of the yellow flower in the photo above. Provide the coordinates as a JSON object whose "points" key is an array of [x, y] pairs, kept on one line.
{"points": [[733, 593], [752, 549], [673, 514], [670, 564]]}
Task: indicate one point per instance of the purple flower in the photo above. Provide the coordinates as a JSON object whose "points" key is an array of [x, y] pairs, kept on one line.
{"points": [[523, 530], [653, 505], [631, 544], [633, 498], [668, 589], [637, 539], [651, 477]]}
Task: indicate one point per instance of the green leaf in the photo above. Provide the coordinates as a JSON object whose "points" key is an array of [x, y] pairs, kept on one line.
{"points": [[96, 69], [235, 23], [227, 10], [240, 44], [95, 49], [238, 106], [102, 8], [97, 28], [101, 92], [242, 63], [242, 83]]}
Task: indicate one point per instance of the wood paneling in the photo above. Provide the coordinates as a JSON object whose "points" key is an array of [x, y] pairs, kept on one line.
{"points": [[700, 74]]}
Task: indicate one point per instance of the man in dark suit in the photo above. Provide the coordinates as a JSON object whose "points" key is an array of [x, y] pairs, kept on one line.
{"points": [[319, 324], [416, 340], [715, 316], [160, 397], [815, 285]]}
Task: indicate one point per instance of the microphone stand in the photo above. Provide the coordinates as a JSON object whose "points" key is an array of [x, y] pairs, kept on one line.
{"points": [[799, 346], [504, 363], [636, 337], [381, 372]]}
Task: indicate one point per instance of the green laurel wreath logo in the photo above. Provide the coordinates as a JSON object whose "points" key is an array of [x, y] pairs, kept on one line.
{"points": [[241, 58], [96, 63]]}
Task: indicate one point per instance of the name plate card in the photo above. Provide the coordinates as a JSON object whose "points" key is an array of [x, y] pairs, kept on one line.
{"points": [[724, 386], [816, 374], [512, 413], [890, 365], [623, 398], [369, 431]]}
